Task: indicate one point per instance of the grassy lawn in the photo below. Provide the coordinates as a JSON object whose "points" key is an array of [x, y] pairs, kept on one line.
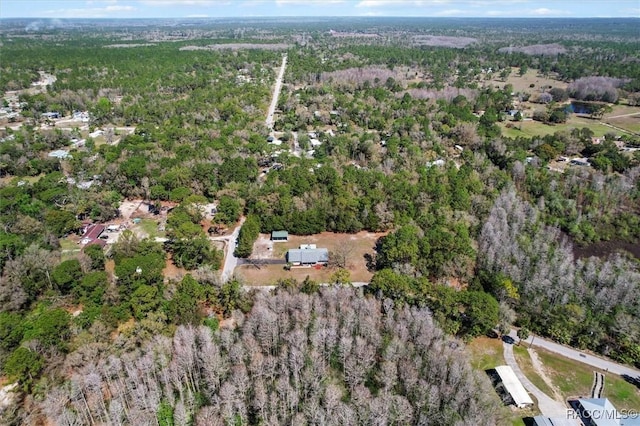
{"points": [[622, 109], [269, 274], [486, 353], [356, 244], [69, 248], [530, 129], [150, 227], [631, 123], [524, 361], [575, 379], [623, 395], [572, 378], [68, 244], [523, 83]]}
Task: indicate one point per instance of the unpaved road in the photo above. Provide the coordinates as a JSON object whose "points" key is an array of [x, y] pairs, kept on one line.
{"points": [[276, 94]]}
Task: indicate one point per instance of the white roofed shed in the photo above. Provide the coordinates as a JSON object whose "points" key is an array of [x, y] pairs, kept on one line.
{"points": [[512, 385]]}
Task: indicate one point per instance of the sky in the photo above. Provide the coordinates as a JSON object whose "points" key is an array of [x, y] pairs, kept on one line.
{"points": [[64, 9]]}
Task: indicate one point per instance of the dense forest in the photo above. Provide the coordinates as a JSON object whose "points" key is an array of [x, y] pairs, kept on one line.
{"points": [[414, 131], [334, 357]]}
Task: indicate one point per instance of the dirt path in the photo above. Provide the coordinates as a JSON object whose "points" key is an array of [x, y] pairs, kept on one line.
{"points": [[622, 115], [537, 365], [276, 94], [230, 260], [618, 128], [128, 207]]}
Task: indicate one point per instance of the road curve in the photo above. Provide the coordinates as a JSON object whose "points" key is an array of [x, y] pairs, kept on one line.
{"points": [[576, 355], [548, 406]]}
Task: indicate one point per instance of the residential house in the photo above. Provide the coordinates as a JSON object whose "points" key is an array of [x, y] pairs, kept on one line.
{"points": [[51, 115], [92, 235], [60, 154], [601, 412], [308, 256]]}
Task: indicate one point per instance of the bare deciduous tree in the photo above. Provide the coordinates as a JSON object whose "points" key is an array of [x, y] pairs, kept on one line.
{"points": [[274, 370]]}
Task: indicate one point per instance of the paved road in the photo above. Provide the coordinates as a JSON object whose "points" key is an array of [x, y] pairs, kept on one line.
{"points": [[548, 407], [276, 94], [230, 261], [592, 360], [272, 287]]}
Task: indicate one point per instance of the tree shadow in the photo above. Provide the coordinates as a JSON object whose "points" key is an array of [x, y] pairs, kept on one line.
{"points": [[492, 334], [497, 384], [633, 380], [370, 260]]}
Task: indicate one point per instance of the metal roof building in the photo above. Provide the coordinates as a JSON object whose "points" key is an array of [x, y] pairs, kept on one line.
{"points": [[601, 412], [512, 385], [555, 421], [308, 256], [279, 236], [598, 412]]}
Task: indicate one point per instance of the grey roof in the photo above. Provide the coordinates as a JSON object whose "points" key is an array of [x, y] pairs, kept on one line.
{"points": [[279, 234], [555, 421], [542, 421], [60, 153], [630, 420], [601, 411], [308, 255]]}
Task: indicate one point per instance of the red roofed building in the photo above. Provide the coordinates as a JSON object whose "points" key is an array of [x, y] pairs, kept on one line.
{"points": [[91, 234], [98, 242]]}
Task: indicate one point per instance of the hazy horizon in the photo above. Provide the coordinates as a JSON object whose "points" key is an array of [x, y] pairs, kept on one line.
{"points": [[149, 9]]}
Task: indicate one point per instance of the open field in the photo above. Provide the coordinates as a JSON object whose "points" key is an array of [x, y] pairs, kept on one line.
{"points": [[270, 274], [7, 180], [69, 247], [575, 379], [624, 116], [148, 228], [630, 123], [485, 353], [353, 246], [617, 110], [523, 83], [530, 129], [357, 245]]}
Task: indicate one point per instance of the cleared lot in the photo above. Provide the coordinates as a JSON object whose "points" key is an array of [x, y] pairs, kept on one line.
{"points": [[352, 248]]}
